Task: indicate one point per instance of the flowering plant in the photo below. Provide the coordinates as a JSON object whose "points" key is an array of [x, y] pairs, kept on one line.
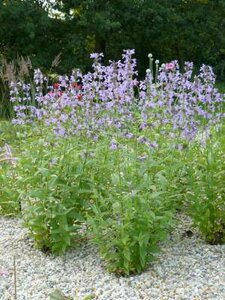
{"points": [[177, 102]]}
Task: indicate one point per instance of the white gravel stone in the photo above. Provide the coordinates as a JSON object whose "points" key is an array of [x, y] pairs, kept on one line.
{"points": [[185, 269]]}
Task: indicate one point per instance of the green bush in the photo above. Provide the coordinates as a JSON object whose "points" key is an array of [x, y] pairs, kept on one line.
{"points": [[56, 191], [206, 173], [127, 195], [133, 207], [9, 193]]}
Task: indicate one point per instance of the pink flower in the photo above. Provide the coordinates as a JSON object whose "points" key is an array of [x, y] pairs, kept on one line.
{"points": [[4, 273], [169, 66], [56, 85], [79, 97]]}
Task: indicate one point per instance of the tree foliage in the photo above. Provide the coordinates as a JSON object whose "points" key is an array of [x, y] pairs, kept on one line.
{"points": [[179, 29]]}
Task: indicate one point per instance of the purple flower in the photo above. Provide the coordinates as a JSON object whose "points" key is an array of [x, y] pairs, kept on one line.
{"points": [[114, 145], [129, 135]]}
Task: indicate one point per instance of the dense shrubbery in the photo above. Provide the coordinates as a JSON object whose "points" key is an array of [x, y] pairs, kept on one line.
{"points": [[110, 158], [186, 30]]}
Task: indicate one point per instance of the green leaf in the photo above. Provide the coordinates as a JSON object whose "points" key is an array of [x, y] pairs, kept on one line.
{"points": [[115, 179], [90, 297], [156, 194], [57, 295], [126, 253], [142, 253]]}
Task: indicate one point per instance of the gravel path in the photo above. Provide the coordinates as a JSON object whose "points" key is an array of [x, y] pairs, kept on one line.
{"points": [[185, 269]]}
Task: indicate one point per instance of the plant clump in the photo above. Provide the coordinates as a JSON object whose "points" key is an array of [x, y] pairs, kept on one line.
{"points": [[109, 158]]}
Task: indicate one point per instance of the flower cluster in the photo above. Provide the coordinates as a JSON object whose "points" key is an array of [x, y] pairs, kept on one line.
{"points": [[112, 97], [181, 100]]}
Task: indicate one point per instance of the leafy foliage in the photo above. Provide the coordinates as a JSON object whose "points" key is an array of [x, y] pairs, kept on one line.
{"points": [[132, 209], [109, 157], [206, 184], [57, 295], [55, 193], [9, 204], [9, 191], [188, 30]]}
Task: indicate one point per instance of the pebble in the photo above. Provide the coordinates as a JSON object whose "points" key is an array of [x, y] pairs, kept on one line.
{"points": [[185, 269]]}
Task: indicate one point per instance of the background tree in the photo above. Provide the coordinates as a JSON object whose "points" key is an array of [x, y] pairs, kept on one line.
{"points": [[179, 29]]}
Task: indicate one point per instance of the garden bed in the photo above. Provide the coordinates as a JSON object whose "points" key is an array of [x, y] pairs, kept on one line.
{"points": [[122, 158]]}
